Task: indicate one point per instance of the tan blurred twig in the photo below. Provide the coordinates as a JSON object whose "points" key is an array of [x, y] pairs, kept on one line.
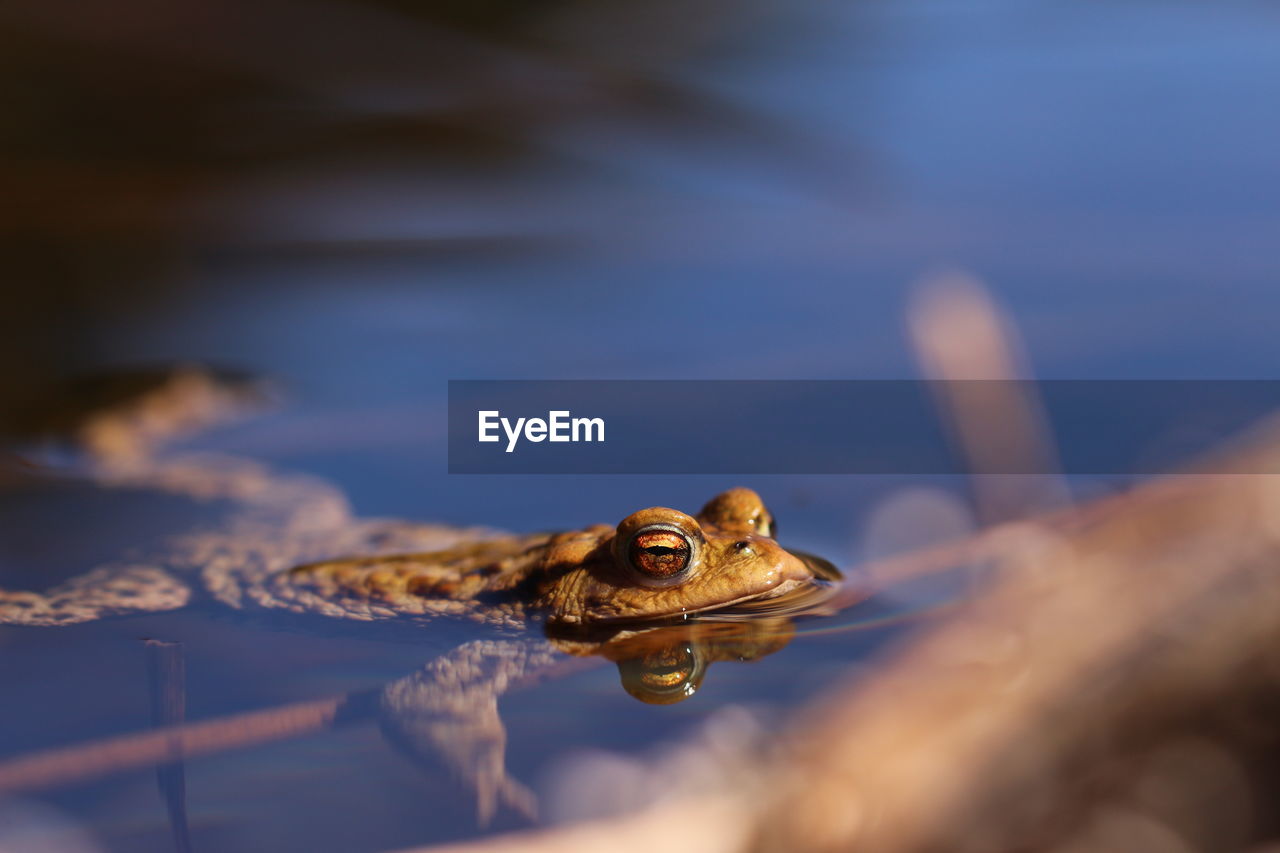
{"points": [[159, 746], [964, 342], [81, 762]]}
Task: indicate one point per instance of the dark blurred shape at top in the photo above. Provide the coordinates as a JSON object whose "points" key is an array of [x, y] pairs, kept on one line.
{"points": [[135, 133]]}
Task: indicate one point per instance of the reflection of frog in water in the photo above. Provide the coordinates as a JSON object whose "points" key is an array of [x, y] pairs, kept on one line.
{"points": [[291, 543]]}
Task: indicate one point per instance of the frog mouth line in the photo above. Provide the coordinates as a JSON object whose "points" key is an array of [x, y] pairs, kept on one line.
{"points": [[785, 588], [791, 598], [800, 595]]}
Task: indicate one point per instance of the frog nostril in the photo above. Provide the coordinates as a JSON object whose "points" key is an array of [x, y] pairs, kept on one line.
{"points": [[741, 545]]}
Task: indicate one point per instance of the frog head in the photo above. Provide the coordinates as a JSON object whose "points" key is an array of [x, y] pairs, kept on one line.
{"points": [[660, 563]]}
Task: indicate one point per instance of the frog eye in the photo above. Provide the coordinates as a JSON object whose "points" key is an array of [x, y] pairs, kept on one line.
{"points": [[740, 511], [660, 553], [658, 547], [765, 524]]}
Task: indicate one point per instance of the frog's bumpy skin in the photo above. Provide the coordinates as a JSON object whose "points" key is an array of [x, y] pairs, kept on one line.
{"points": [[246, 569], [276, 522]]}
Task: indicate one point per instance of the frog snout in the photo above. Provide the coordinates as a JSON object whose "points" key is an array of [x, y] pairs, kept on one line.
{"points": [[785, 565], [793, 569]]}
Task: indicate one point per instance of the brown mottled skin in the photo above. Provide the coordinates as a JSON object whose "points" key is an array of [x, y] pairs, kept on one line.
{"points": [[578, 578]]}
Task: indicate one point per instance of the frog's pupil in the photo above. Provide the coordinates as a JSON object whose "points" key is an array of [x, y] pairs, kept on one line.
{"points": [[661, 555]]}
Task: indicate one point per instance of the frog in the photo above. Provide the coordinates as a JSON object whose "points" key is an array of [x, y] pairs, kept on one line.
{"points": [[634, 593]]}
